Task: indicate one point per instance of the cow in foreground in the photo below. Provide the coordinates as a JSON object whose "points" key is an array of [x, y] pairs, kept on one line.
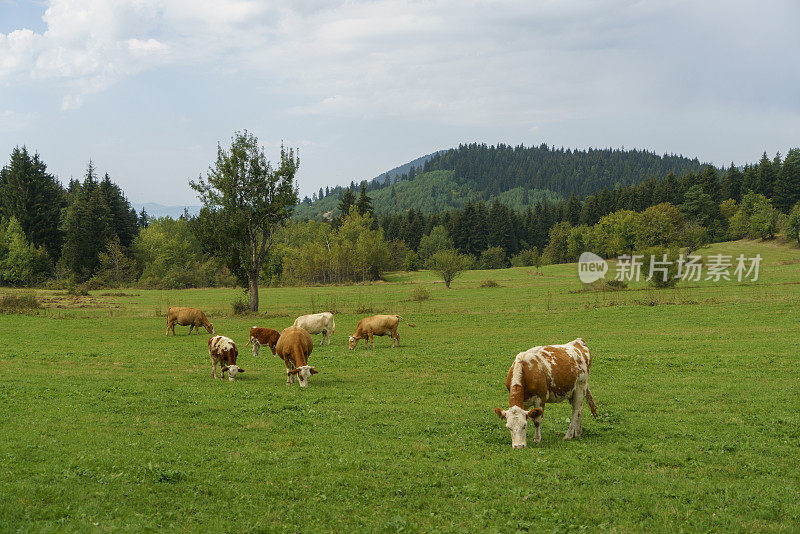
{"points": [[547, 374], [317, 323], [295, 346], [191, 317], [263, 336], [377, 325], [222, 351]]}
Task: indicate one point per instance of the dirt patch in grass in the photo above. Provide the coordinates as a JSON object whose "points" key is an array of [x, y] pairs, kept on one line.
{"points": [[76, 301]]}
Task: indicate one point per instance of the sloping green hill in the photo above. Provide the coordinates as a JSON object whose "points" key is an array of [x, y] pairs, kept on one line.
{"points": [[520, 176], [430, 193]]}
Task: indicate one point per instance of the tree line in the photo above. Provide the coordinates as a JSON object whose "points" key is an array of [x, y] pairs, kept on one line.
{"points": [[87, 232]]}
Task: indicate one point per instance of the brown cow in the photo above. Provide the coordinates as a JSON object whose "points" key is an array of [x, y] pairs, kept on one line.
{"points": [[295, 346], [377, 325], [191, 317], [547, 374], [223, 350], [263, 336]]}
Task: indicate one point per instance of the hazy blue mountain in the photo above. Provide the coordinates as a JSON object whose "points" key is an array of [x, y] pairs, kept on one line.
{"points": [[156, 210]]}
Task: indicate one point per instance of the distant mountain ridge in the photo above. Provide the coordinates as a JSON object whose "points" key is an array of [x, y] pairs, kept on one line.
{"points": [[155, 210], [519, 176]]}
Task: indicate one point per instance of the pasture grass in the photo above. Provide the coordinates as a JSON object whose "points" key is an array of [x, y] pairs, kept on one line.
{"points": [[107, 424]]}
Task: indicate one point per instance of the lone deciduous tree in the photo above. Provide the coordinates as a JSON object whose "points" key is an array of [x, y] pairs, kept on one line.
{"points": [[448, 264], [245, 200]]}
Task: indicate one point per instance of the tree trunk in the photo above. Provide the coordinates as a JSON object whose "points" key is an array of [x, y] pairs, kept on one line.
{"points": [[252, 279]]}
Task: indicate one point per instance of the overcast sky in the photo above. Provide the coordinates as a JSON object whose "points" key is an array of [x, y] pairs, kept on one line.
{"points": [[147, 88]]}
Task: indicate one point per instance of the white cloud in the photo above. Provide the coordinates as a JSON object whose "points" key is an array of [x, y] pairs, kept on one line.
{"points": [[446, 61]]}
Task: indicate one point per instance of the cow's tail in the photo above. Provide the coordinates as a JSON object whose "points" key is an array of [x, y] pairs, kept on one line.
{"points": [[412, 325], [590, 400]]}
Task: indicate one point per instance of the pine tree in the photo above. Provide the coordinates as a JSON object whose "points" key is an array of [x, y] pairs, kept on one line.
{"points": [[572, 210], [124, 220], [732, 184], [364, 203], [34, 197], [787, 186], [88, 225], [766, 177], [346, 201], [143, 219]]}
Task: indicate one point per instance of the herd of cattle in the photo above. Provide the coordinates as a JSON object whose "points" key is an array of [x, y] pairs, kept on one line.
{"points": [[544, 374]]}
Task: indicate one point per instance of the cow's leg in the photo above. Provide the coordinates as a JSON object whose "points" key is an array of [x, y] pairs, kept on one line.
{"points": [[289, 378], [537, 423], [574, 430], [328, 334], [372, 340], [396, 342], [321, 341], [256, 346], [213, 368]]}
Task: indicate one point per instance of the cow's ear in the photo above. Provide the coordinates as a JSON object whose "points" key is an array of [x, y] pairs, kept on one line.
{"points": [[293, 372], [535, 412], [241, 370], [314, 371], [225, 368], [500, 413]]}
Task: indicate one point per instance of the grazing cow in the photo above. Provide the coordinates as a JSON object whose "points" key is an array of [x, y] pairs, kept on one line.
{"points": [[295, 346], [263, 336], [223, 351], [191, 317], [547, 374], [317, 323], [377, 325]]}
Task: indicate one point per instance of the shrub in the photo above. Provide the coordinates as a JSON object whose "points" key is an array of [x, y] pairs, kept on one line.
{"points": [[793, 224], [77, 290], [489, 283], [666, 277], [420, 293], [412, 262], [240, 306], [493, 258], [523, 258]]}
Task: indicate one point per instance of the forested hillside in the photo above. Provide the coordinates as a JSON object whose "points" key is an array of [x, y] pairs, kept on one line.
{"points": [[430, 192], [518, 176]]}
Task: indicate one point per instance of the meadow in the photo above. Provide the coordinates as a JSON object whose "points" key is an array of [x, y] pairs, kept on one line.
{"points": [[106, 424]]}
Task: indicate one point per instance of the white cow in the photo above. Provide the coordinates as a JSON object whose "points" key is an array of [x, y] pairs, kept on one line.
{"points": [[317, 323]]}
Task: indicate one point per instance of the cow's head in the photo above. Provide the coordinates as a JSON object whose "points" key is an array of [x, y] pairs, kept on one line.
{"points": [[303, 374], [517, 422], [352, 342], [233, 370], [210, 329]]}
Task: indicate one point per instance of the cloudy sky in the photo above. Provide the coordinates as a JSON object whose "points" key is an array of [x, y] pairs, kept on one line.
{"points": [[147, 88]]}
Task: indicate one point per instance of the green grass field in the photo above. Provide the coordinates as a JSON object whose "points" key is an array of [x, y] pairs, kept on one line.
{"points": [[106, 424]]}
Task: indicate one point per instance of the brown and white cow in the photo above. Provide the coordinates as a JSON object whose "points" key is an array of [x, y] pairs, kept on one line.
{"points": [[547, 374], [223, 350], [263, 336], [295, 346], [318, 323], [377, 325], [191, 317]]}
